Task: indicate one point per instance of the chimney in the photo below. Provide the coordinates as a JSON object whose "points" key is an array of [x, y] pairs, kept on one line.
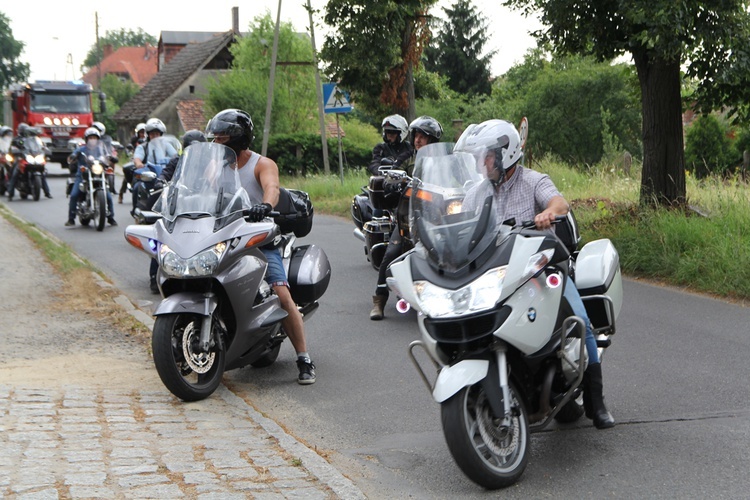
{"points": [[108, 49], [236, 20], [147, 51]]}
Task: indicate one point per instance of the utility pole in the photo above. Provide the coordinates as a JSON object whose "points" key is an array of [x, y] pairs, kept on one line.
{"points": [[267, 124], [98, 52], [319, 88]]}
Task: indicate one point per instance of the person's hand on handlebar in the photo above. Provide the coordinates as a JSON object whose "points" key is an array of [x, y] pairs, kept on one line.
{"points": [[259, 212]]}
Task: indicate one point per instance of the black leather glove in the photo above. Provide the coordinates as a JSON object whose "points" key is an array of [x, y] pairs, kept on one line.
{"points": [[159, 183], [259, 212]]}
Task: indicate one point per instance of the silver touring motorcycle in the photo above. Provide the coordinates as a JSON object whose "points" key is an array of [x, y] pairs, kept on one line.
{"points": [[508, 351], [218, 313]]}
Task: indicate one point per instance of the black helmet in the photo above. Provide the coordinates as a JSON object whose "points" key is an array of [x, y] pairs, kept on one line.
{"points": [[192, 136], [234, 123], [22, 128], [428, 126]]}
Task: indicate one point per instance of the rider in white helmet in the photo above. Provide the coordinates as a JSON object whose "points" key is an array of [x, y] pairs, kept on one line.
{"points": [[160, 152], [523, 194], [394, 149]]}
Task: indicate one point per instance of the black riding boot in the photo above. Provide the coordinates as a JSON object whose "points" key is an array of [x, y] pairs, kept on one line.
{"points": [[593, 398]]}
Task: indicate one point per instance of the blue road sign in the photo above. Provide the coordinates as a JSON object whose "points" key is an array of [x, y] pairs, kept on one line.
{"points": [[335, 100]]}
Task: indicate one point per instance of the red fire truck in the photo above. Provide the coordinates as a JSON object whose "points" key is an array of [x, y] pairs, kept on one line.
{"points": [[62, 110]]}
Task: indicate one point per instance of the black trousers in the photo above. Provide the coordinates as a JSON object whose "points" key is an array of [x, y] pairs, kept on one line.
{"points": [[394, 250]]}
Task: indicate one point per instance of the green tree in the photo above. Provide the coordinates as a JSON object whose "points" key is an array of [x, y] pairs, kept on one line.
{"points": [[373, 49], [116, 38], [567, 125], [245, 86], [118, 92], [457, 50], [11, 69], [712, 39]]}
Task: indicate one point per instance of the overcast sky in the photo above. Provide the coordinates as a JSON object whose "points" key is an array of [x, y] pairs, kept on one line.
{"points": [[55, 31]]}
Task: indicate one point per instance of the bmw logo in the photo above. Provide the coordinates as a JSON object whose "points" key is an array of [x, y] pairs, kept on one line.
{"points": [[531, 314]]}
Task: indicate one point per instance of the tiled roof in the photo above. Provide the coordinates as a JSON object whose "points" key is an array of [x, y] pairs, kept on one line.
{"points": [[185, 37], [139, 63], [333, 131], [189, 60], [191, 114]]}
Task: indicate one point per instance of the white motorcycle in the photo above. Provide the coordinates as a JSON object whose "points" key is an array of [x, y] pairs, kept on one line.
{"points": [[509, 353]]}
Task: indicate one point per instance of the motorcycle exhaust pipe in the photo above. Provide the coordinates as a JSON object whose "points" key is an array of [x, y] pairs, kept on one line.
{"points": [[402, 306]]}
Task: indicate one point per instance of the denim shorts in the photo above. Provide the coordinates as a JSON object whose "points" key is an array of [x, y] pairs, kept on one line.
{"points": [[275, 275]]}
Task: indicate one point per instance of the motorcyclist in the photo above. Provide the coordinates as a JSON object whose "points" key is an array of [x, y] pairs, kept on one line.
{"points": [[146, 152], [260, 178], [525, 194], [423, 130], [107, 140], [6, 136], [26, 134], [92, 136], [138, 138], [190, 137], [394, 149]]}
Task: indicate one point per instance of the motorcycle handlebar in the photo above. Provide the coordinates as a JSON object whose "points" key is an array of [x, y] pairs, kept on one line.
{"points": [[531, 224]]}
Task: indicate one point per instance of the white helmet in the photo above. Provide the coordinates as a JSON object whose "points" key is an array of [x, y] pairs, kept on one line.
{"points": [[499, 136], [395, 123], [139, 127], [92, 131], [155, 124], [100, 126]]}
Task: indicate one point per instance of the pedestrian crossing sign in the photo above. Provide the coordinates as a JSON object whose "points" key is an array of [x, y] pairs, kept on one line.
{"points": [[335, 100]]}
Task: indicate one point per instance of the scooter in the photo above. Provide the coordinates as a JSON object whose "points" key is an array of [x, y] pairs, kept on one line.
{"points": [[508, 353], [218, 313]]}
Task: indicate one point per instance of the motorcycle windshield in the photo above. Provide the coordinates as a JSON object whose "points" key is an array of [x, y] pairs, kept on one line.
{"points": [[207, 184], [98, 153], [452, 232], [33, 145]]}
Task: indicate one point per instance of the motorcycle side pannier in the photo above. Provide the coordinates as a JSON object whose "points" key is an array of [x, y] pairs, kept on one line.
{"points": [[296, 211], [598, 276], [377, 193], [309, 273]]}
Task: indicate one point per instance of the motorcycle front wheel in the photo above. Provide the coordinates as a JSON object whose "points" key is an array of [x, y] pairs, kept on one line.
{"points": [[36, 188], [489, 453], [188, 374], [100, 212]]}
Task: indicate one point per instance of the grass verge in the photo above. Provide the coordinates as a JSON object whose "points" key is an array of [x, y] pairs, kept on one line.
{"points": [[704, 249]]}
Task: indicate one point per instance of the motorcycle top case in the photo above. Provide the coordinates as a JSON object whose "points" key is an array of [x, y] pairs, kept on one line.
{"points": [[309, 274], [296, 211]]}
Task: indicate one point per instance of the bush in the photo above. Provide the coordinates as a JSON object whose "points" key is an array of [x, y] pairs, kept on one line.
{"points": [[302, 154], [707, 147]]}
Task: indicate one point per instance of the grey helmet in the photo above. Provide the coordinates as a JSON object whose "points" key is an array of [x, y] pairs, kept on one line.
{"points": [[428, 126]]}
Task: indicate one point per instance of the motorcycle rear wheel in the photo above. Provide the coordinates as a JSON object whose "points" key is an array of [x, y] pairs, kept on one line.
{"points": [[100, 212], [571, 412], [36, 188], [189, 375], [489, 454]]}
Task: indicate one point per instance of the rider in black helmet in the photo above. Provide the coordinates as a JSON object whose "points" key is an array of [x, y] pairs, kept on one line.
{"points": [[260, 178]]}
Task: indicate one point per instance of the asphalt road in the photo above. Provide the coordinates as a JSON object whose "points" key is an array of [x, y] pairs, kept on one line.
{"points": [[675, 381]]}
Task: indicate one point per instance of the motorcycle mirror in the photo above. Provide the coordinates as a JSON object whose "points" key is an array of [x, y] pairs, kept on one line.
{"points": [[148, 176]]}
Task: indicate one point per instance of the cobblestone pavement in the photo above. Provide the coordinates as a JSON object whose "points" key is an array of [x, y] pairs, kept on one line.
{"points": [[83, 419]]}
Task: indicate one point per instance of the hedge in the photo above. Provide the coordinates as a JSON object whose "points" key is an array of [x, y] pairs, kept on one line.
{"points": [[302, 154]]}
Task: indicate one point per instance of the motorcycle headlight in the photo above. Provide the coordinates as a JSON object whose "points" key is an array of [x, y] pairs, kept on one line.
{"points": [[9, 158], [201, 264], [29, 159], [453, 207], [479, 295], [97, 168], [40, 159]]}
